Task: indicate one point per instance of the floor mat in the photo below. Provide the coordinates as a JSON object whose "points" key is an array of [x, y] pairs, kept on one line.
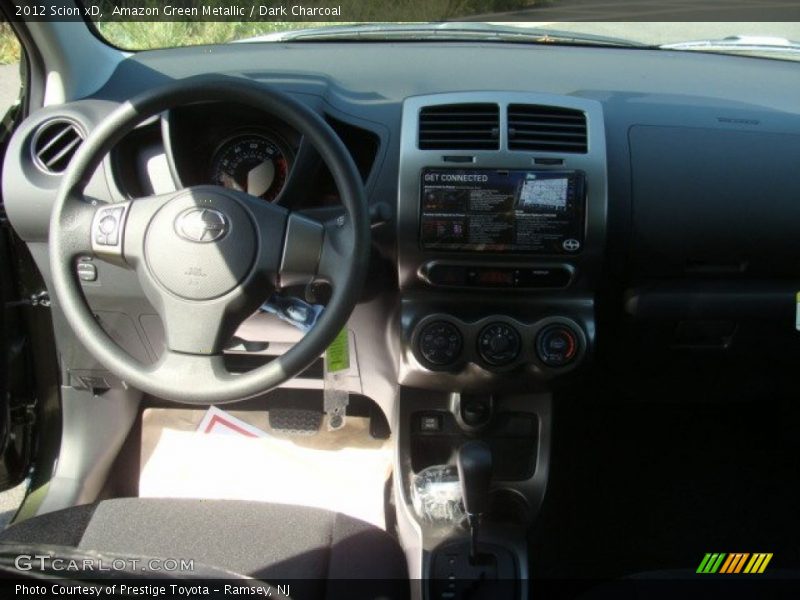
{"points": [[344, 470]]}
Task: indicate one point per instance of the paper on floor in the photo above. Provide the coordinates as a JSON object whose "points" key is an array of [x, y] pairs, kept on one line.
{"points": [[219, 422]]}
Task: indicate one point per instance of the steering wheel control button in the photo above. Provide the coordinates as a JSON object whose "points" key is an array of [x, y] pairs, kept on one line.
{"points": [[440, 343], [86, 271], [201, 244], [499, 344], [557, 345], [107, 229], [108, 225]]}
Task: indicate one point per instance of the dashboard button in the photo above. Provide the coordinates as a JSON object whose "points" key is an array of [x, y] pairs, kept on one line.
{"points": [[440, 343], [557, 345], [499, 344], [430, 423]]}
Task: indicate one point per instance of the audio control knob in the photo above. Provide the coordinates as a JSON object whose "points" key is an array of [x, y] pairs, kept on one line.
{"points": [[557, 345], [440, 343], [499, 344]]}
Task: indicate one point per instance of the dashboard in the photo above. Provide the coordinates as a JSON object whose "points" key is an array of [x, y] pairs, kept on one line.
{"points": [[539, 210], [236, 147]]}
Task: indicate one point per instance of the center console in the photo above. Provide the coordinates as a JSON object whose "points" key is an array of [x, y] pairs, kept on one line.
{"points": [[501, 227], [501, 218]]}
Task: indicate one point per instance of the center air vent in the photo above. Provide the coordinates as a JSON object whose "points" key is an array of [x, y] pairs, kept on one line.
{"points": [[54, 145], [546, 129], [459, 127]]}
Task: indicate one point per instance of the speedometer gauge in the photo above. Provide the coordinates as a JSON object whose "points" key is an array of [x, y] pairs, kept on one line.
{"points": [[254, 163]]}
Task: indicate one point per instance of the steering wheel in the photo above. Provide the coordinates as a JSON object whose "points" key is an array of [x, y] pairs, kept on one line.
{"points": [[206, 256]]}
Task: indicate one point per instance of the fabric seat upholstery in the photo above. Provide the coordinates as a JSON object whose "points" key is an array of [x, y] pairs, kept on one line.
{"points": [[267, 541]]}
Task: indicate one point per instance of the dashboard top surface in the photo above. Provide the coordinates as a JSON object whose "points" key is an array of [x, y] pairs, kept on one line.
{"points": [[391, 72]]}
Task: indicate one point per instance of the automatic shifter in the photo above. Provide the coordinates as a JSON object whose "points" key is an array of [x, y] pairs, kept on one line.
{"points": [[475, 473]]}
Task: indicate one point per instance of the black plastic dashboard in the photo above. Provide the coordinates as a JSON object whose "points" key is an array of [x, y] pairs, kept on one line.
{"points": [[692, 200]]}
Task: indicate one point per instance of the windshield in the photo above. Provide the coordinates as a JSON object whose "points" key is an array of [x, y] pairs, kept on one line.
{"points": [[128, 28], [142, 35]]}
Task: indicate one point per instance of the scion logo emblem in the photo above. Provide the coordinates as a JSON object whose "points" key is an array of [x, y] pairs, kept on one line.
{"points": [[201, 225]]}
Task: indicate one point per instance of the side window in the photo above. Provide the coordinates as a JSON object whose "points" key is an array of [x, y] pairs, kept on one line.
{"points": [[11, 73]]}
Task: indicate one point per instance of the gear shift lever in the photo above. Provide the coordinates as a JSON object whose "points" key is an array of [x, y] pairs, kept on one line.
{"points": [[475, 474]]}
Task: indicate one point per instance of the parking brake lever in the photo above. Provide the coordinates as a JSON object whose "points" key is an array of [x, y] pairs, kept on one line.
{"points": [[474, 463]]}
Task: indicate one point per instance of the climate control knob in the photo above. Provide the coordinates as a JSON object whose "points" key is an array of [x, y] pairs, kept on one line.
{"points": [[440, 343], [557, 345], [499, 344]]}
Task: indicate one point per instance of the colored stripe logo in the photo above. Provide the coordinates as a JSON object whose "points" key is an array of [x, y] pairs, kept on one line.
{"points": [[735, 562]]}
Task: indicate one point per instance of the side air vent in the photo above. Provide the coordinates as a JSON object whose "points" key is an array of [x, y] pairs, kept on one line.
{"points": [[546, 129], [460, 127], [54, 145]]}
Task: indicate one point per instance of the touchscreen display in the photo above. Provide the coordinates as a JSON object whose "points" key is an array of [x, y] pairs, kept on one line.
{"points": [[502, 210]]}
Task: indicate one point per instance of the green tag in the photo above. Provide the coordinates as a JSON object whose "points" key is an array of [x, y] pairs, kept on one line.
{"points": [[797, 312], [338, 353]]}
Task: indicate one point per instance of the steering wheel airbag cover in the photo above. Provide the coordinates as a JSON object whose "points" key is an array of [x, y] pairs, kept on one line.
{"points": [[202, 245]]}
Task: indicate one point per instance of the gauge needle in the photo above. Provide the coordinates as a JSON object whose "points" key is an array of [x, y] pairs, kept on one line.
{"points": [[260, 178], [229, 182]]}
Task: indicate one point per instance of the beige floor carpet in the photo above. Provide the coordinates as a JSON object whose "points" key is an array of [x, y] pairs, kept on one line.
{"points": [[344, 470]]}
